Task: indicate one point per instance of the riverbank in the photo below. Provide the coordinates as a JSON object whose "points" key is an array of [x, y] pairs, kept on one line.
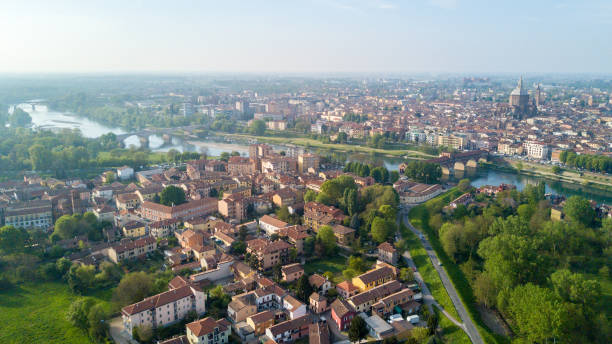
{"points": [[346, 148], [588, 179]]}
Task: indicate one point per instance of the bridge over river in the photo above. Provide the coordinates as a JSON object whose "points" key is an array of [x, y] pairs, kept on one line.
{"points": [[166, 134]]}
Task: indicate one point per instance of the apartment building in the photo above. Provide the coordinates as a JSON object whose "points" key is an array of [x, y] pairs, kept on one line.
{"points": [[271, 225], [32, 214], [536, 150], [238, 165], [157, 212], [374, 278], [308, 162], [128, 249], [363, 302], [290, 330], [164, 309], [208, 331], [317, 215], [269, 253]]}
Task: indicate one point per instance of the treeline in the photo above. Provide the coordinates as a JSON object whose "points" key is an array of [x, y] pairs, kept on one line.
{"points": [[598, 163], [423, 172], [379, 173], [541, 275], [114, 112], [46, 151]]}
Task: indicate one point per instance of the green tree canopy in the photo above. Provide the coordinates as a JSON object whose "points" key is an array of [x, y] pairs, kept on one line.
{"points": [[258, 127], [327, 238], [172, 195], [579, 209]]}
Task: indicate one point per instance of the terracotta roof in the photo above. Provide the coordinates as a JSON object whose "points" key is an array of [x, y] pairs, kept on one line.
{"points": [[341, 308], [158, 300], [262, 317], [205, 326], [130, 245], [376, 292], [375, 274], [273, 221], [292, 268], [318, 333], [342, 230], [385, 246], [317, 280], [289, 325]]}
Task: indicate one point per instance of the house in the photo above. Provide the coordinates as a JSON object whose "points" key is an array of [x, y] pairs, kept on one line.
{"points": [[260, 322], [241, 307], [363, 302], [233, 207], [295, 307], [127, 201], [125, 173], [163, 228], [164, 309], [319, 283], [345, 235], [318, 303], [208, 331], [290, 330], [292, 272], [387, 253], [237, 165], [342, 313], [148, 192], [319, 333], [128, 249], [346, 289], [271, 225], [296, 235], [464, 199], [317, 215], [385, 306], [285, 197], [134, 229], [268, 253], [373, 278], [156, 212]]}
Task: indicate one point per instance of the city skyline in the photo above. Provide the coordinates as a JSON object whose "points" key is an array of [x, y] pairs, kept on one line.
{"points": [[437, 36]]}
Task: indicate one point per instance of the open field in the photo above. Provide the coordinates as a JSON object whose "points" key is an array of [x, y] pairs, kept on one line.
{"points": [[37, 314], [307, 142]]}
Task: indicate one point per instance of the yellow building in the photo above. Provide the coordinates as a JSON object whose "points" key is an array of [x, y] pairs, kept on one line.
{"points": [[134, 229], [373, 278]]}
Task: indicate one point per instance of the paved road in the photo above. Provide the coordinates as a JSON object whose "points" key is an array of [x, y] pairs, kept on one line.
{"points": [[468, 325]]}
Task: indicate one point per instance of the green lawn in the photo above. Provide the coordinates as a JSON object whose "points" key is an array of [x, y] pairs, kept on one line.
{"points": [[419, 219], [308, 142], [35, 313], [334, 265]]}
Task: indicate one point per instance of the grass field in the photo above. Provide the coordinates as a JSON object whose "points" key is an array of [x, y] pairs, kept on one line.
{"points": [[307, 142], [419, 219], [37, 314], [334, 265]]}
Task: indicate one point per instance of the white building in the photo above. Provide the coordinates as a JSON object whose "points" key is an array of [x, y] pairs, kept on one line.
{"points": [[536, 150], [164, 309], [125, 173], [271, 225]]}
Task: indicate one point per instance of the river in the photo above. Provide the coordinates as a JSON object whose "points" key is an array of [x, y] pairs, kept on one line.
{"points": [[45, 118]]}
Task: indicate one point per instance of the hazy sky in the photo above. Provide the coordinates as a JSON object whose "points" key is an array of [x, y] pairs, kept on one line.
{"points": [[306, 36]]}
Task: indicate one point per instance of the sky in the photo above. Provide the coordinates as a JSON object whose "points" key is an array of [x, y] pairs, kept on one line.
{"points": [[306, 36]]}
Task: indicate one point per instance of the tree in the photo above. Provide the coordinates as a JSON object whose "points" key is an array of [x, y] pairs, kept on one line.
{"points": [[19, 118], [243, 232], [536, 312], [12, 239], [423, 172], [98, 326], [143, 333], [380, 174], [406, 275], [238, 247], [309, 245], [357, 264], [310, 196], [327, 238], [393, 176], [556, 170], [579, 209], [79, 311], [172, 195], [464, 185], [485, 290], [81, 277], [258, 127], [40, 157], [432, 323], [303, 289], [133, 287], [358, 329], [381, 229], [575, 288]]}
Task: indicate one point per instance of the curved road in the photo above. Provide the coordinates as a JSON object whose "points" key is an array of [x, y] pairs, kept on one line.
{"points": [[468, 325]]}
